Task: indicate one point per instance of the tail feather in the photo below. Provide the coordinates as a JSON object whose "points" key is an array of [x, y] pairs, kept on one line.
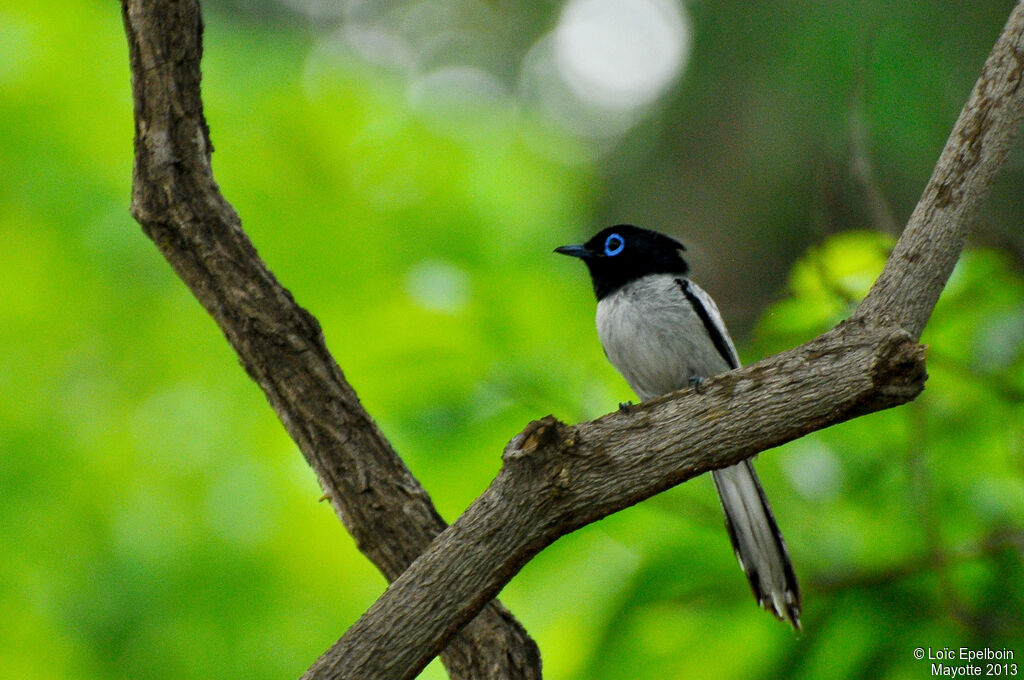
{"points": [[757, 541]]}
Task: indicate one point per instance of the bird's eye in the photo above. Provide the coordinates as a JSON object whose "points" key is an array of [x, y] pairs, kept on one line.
{"points": [[613, 245]]}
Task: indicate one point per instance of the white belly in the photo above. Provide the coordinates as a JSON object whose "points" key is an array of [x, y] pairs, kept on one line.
{"points": [[654, 338]]}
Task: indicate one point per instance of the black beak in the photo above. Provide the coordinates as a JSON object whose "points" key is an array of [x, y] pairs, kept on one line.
{"points": [[575, 251]]}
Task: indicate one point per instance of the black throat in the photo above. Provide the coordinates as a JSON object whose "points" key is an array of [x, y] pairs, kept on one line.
{"points": [[610, 277]]}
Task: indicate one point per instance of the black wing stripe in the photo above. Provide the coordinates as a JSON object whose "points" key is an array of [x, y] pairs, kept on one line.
{"points": [[713, 330]]}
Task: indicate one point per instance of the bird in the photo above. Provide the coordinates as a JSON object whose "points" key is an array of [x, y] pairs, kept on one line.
{"points": [[663, 332]]}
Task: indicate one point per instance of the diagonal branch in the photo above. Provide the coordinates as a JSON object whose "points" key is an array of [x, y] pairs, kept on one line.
{"points": [[280, 345], [557, 478], [936, 232]]}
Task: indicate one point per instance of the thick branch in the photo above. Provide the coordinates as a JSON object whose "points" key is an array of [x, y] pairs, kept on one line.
{"points": [[178, 204], [556, 478], [930, 246]]}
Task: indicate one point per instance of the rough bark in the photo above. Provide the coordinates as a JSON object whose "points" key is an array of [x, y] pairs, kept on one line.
{"points": [[280, 345], [557, 478]]}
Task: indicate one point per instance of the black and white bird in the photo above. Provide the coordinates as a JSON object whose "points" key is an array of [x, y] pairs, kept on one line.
{"points": [[663, 332]]}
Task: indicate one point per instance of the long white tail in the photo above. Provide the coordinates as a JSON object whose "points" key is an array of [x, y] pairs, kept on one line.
{"points": [[757, 541]]}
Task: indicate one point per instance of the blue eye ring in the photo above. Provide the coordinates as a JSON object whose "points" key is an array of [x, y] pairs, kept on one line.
{"points": [[613, 245]]}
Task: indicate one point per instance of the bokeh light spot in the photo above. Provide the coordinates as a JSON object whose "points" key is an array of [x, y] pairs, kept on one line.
{"points": [[622, 55]]}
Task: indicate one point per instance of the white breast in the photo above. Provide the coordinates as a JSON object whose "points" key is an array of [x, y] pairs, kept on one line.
{"points": [[656, 340]]}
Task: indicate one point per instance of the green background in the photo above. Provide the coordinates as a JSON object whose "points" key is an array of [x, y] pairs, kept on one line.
{"points": [[157, 522]]}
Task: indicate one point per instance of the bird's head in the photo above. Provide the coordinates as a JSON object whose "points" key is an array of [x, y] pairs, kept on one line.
{"points": [[621, 254]]}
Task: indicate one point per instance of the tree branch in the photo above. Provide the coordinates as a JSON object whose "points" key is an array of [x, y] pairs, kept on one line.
{"points": [[924, 257], [557, 478], [280, 345]]}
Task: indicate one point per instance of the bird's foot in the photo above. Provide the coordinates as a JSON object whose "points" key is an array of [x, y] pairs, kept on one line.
{"points": [[625, 406], [697, 383]]}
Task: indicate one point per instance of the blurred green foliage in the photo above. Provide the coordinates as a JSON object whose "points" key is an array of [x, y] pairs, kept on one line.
{"points": [[155, 520]]}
